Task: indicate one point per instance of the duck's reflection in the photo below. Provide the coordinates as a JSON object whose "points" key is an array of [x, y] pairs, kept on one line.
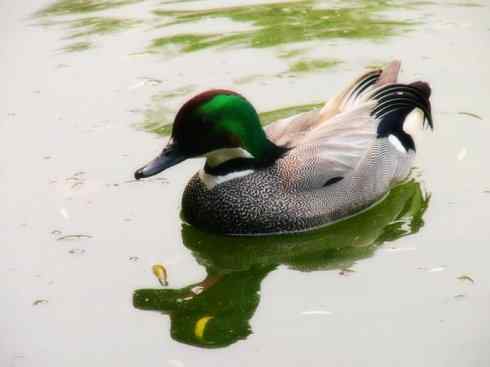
{"points": [[216, 311]]}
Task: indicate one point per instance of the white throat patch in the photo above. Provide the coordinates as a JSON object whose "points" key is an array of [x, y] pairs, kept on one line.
{"points": [[219, 156], [216, 157]]}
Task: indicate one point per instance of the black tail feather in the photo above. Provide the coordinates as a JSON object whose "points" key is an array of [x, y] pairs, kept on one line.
{"points": [[395, 102], [368, 80], [400, 100], [423, 87]]}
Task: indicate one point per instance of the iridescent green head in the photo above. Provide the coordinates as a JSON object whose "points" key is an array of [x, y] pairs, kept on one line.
{"points": [[212, 121]]}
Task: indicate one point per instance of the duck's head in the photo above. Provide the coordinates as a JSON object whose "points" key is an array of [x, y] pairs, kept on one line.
{"points": [[217, 124]]}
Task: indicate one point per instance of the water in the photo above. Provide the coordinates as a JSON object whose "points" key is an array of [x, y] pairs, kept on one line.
{"points": [[87, 87]]}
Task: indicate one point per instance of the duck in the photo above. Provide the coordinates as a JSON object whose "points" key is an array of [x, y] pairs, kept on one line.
{"points": [[299, 173]]}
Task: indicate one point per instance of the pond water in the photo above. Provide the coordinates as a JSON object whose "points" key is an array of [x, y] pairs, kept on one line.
{"points": [[89, 90]]}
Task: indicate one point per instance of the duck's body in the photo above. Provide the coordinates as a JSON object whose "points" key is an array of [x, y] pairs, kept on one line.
{"points": [[271, 201], [326, 164]]}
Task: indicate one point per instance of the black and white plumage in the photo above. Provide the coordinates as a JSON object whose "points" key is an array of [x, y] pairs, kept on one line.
{"points": [[340, 159]]}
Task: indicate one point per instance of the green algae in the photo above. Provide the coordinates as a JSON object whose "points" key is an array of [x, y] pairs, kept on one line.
{"points": [[82, 26], [77, 46], [286, 54], [280, 113], [158, 119], [90, 28], [98, 25], [305, 66], [68, 7], [284, 23], [468, 4], [377, 64], [189, 42], [249, 78], [272, 24]]}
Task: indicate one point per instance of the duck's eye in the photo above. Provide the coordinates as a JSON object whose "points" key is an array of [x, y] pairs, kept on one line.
{"points": [[332, 180]]}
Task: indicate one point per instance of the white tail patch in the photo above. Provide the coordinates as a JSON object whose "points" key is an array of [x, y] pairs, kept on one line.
{"points": [[396, 143], [414, 122], [211, 180]]}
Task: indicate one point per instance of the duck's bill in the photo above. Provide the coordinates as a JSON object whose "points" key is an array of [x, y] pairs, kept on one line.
{"points": [[168, 158]]}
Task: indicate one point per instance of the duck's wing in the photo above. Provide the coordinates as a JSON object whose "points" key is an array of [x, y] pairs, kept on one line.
{"points": [[347, 126], [290, 130]]}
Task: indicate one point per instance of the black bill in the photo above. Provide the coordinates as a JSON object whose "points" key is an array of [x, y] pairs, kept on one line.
{"points": [[169, 157]]}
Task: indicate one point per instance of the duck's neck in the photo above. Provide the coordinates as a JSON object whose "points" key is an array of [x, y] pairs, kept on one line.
{"points": [[226, 160], [220, 156], [229, 163]]}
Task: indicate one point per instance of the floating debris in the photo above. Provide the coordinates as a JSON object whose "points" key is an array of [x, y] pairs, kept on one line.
{"points": [[77, 251], [163, 180], [56, 232], [77, 179], [466, 278], [134, 258], [71, 237], [462, 154], [39, 302], [152, 81], [197, 289], [316, 312], [64, 213], [161, 274], [435, 270], [460, 296], [201, 326], [346, 271], [145, 81], [432, 270], [471, 115]]}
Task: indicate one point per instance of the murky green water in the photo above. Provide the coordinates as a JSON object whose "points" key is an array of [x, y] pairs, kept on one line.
{"points": [[87, 84]]}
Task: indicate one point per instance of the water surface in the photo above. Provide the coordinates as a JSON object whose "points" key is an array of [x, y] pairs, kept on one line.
{"points": [[90, 88]]}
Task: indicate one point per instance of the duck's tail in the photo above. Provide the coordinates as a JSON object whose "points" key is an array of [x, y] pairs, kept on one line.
{"points": [[398, 108], [355, 92]]}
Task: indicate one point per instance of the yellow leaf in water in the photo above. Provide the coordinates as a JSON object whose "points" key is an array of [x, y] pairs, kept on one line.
{"points": [[201, 326], [465, 277], [161, 274]]}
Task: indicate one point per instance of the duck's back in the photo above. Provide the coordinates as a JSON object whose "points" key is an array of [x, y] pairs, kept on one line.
{"points": [[342, 159]]}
